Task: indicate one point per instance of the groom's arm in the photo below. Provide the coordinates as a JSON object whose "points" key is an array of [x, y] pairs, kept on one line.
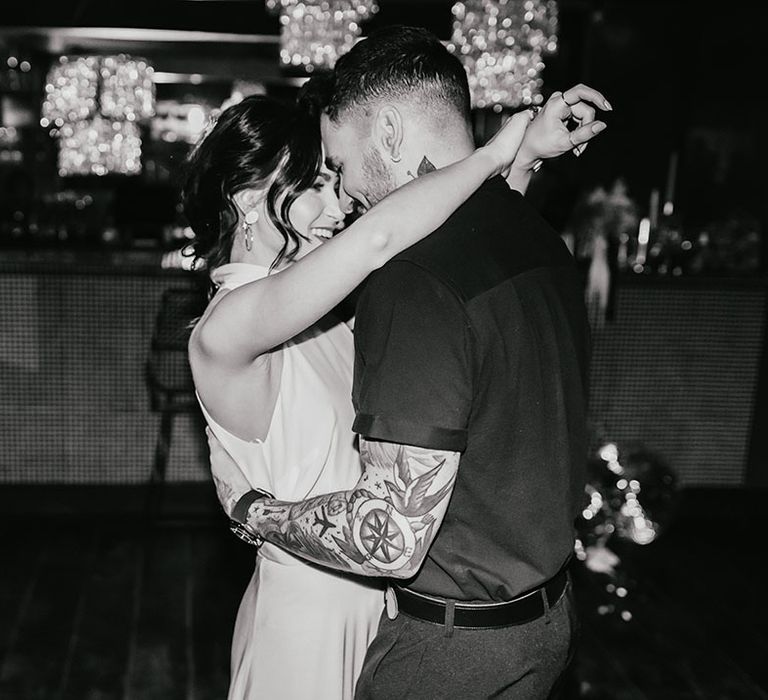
{"points": [[382, 527], [413, 386]]}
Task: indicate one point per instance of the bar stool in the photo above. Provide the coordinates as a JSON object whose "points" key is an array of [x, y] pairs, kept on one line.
{"points": [[169, 378]]}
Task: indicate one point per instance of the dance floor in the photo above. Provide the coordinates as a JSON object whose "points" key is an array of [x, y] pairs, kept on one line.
{"points": [[97, 604]]}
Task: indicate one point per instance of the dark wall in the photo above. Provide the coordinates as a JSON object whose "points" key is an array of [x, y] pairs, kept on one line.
{"points": [[681, 77]]}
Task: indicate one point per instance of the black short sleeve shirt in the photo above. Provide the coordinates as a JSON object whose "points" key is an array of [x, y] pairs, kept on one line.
{"points": [[413, 370], [475, 340]]}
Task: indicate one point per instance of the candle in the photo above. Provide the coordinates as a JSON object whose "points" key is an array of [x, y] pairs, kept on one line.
{"points": [[653, 209], [643, 236], [669, 192]]}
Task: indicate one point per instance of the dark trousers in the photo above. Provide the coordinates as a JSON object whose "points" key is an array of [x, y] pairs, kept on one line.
{"points": [[415, 660]]}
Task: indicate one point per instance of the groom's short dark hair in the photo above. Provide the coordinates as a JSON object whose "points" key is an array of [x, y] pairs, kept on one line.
{"points": [[399, 62]]}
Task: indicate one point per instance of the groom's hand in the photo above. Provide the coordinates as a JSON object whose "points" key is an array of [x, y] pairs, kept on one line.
{"points": [[565, 123], [229, 479]]}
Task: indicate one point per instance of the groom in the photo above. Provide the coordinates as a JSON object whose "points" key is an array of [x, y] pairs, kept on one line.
{"points": [[471, 358]]}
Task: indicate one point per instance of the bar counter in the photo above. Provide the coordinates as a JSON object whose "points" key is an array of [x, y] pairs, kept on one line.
{"points": [[675, 368], [77, 330]]}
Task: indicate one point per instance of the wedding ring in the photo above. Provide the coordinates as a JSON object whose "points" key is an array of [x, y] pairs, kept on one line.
{"points": [[535, 109]]}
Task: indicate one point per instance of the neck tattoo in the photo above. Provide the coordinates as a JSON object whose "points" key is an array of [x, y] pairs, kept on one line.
{"points": [[425, 167]]}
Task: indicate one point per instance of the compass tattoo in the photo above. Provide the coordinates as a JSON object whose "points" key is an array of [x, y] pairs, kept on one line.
{"points": [[382, 527]]}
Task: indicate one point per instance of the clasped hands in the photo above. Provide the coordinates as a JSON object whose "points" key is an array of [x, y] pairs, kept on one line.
{"points": [[549, 135]]}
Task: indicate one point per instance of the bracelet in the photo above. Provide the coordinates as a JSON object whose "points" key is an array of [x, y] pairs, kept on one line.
{"points": [[244, 503], [240, 516], [245, 534]]}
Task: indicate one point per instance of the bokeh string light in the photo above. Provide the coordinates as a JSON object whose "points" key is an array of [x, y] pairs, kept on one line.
{"points": [[502, 44], [127, 88], [93, 106], [314, 33], [629, 500], [71, 90], [629, 495], [99, 146]]}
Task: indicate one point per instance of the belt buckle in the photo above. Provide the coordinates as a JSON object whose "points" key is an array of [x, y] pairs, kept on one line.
{"points": [[390, 603]]}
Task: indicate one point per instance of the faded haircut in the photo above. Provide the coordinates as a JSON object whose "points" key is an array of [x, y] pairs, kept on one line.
{"points": [[401, 63]]}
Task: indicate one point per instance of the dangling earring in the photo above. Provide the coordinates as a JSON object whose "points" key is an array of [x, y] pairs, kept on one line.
{"points": [[396, 159], [250, 218]]}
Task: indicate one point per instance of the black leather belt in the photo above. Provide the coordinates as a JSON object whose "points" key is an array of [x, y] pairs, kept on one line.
{"points": [[525, 608]]}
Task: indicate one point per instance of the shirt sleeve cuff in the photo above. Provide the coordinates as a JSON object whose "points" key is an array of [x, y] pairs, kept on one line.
{"points": [[405, 432]]}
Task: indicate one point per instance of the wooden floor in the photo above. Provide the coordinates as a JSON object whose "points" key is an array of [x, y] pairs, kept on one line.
{"points": [[98, 607]]}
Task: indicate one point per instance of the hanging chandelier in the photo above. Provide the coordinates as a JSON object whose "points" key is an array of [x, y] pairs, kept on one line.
{"points": [[314, 33], [502, 44], [93, 106]]}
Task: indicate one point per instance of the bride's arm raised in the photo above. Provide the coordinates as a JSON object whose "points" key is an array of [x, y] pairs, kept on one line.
{"points": [[257, 317]]}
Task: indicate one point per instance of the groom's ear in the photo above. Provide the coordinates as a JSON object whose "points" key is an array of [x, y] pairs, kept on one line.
{"points": [[388, 131]]}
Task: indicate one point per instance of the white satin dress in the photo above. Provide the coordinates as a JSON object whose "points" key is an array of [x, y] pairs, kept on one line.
{"points": [[301, 631]]}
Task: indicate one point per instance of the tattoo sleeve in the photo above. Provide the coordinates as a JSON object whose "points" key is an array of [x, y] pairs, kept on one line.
{"points": [[382, 527]]}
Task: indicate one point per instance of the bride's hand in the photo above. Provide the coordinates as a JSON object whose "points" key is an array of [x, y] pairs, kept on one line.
{"points": [[548, 136], [505, 143], [228, 478]]}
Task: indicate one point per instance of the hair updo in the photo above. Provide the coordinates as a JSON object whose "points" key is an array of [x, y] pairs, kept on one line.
{"points": [[258, 141]]}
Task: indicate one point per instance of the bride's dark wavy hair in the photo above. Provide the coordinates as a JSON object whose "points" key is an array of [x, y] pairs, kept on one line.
{"points": [[257, 141]]}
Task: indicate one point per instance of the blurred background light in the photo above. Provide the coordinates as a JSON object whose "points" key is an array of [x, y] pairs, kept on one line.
{"points": [[502, 44]]}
